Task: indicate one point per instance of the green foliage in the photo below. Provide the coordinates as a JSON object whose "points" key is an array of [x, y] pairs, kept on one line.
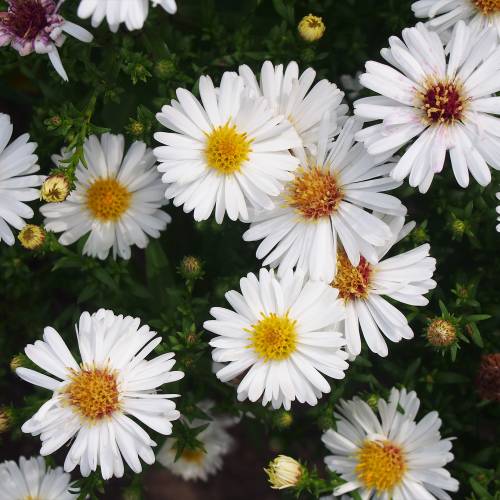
{"points": [[118, 83]]}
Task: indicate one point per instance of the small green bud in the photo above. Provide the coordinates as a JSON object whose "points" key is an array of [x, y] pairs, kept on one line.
{"points": [[164, 69]]}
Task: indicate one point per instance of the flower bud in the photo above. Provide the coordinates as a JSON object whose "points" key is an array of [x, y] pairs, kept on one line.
{"points": [[55, 188], [31, 237], [284, 472], [5, 420], [311, 28], [190, 268], [283, 419], [441, 332], [164, 69], [17, 362]]}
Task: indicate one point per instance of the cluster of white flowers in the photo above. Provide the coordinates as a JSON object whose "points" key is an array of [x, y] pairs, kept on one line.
{"points": [[281, 154]]}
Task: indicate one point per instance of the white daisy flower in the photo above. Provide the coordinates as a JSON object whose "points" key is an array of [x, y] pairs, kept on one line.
{"points": [[17, 163], [230, 152], [36, 26], [498, 212], [294, 96], [31, 479], [282, 332], [404, 278], [444, 14], [390, 455], [131, 12], [199, 464], [93, 401], [444, 102], [326, 202], [117, 199]]}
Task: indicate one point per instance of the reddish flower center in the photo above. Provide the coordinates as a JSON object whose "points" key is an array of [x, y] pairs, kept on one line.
{"points": [[26, 18], [442, 102]]}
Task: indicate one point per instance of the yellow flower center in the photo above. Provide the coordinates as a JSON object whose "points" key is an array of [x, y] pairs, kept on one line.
{"points": [[93, 393], [314, 193], [107, 199], [274, 337], [487, 7], [193, 456], [442, 102], [352, 282], [227, 149], [381, 465]]}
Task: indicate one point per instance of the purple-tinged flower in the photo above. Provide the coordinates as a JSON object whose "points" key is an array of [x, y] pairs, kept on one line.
{"points": [[36, 26]]}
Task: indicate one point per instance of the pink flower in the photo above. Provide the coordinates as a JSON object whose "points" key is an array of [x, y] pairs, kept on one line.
{"points": [[36, 26]]}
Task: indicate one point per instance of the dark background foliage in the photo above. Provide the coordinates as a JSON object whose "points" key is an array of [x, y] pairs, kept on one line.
{"points": [[118, 83]]}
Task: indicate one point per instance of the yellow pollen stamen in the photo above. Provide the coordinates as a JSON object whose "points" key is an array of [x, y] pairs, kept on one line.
{"points": [[93, 393], [314, 193], [108, 199], [487, 7], [193, 456], [274, 337], [443, 102], [381, 465], [352, 282], [227, 149]]}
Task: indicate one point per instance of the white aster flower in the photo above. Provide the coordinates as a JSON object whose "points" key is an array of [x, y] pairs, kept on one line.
{"points": [[444, 102], [282, 332], [230, 152], [444, 14], [117, 199], [390, 455], [36, 26], [404, 278], [294, 96], [17, 163], [93, 401], [498, 212], [131, 12], [326, 202], [200, 463], [31, 480]]}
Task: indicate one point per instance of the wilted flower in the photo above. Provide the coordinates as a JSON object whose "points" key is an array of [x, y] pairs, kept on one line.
{"points": [[36, 26], [284, 472], [311, 28], [488, 377], [441, 332]]}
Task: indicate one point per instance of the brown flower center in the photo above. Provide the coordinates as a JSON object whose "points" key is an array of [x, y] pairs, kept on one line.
{"points": [[352, 282]]}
